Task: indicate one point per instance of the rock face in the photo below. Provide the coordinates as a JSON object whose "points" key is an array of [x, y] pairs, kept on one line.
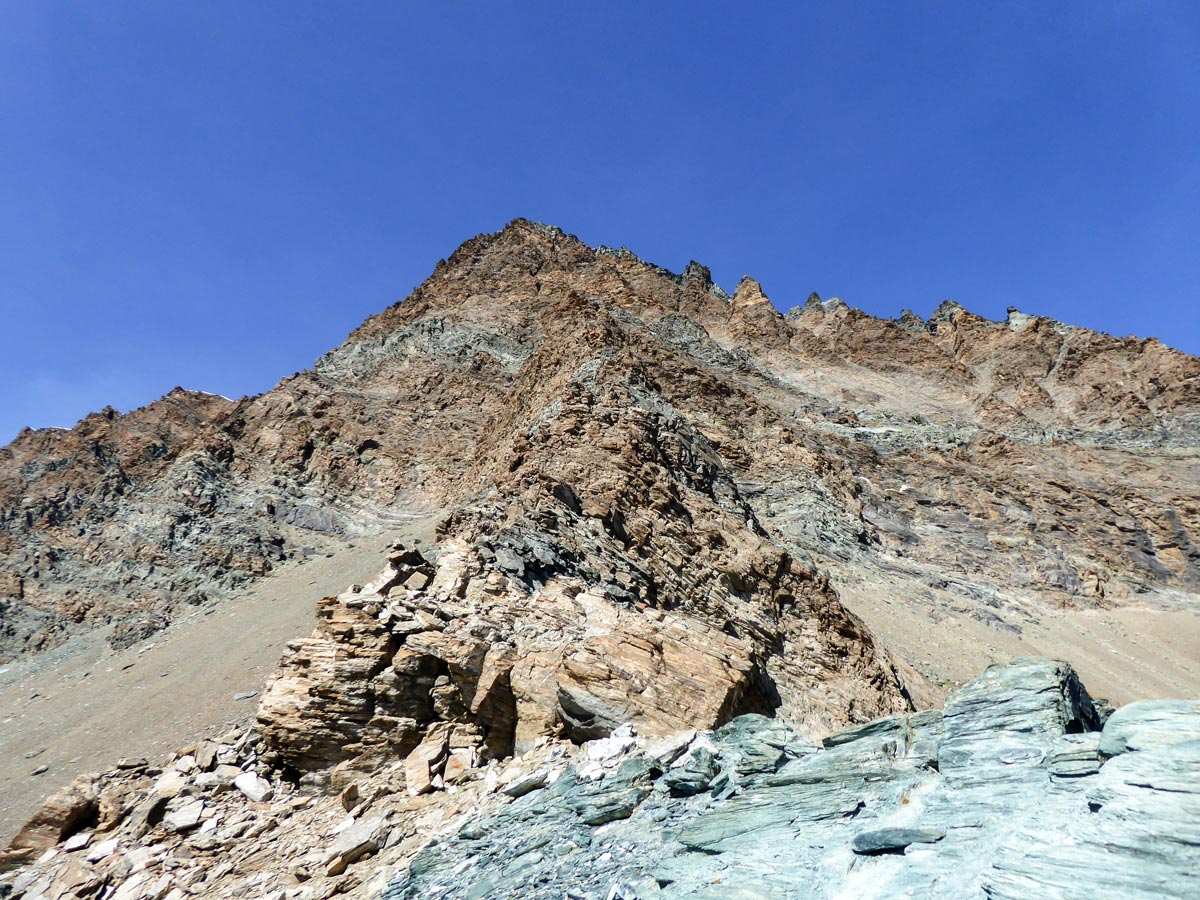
{"points": [[963, 805], [514, 637], [63, 814], [980, 470]]}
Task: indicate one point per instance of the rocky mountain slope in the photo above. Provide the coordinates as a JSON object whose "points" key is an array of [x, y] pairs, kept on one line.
{"points": [[627, 502], [697, 446]]}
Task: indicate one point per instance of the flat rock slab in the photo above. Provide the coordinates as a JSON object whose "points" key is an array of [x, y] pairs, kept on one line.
{"points": [[1148, 724], [526, 784], [255, 788], [185, 817], [894, 840]]}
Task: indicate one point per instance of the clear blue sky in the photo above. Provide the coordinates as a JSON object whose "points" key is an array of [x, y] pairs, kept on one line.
{"points": [[212, 194]]}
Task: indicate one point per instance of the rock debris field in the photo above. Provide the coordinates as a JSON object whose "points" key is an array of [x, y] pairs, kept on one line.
{"points": [[1022, 787]]}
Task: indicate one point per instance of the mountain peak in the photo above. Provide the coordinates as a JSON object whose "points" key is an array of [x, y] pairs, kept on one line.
{"points": [[572, 495]]}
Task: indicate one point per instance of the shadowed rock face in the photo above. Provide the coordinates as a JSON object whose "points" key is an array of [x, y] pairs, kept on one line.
{"points": [[990, 469]]}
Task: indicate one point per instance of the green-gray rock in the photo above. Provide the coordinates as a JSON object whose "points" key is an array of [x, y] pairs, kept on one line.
{"points": [[1005, 796]]}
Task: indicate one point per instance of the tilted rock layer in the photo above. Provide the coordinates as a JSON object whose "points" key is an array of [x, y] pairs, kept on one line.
{"points": [[469, 647]]}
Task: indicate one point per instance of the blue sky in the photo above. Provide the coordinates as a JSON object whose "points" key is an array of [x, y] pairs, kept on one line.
{"points": [[213, 194]]}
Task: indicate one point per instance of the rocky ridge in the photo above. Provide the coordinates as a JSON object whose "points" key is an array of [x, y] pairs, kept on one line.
{"points": [[657, 505], [986, 472], [471, 647]]}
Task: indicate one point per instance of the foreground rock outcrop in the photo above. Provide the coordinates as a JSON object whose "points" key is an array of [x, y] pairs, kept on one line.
{"points": [[476, 647], [1018, 789], [1007, 794]]}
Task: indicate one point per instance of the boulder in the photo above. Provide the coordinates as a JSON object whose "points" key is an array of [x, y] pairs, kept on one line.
{"points": [[61, 815], [255, 788], [183, 816], [1148, 724], [361, 839]]}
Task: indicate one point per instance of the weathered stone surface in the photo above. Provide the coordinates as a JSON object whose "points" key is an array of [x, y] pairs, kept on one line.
{"points": [[1140, 838], [183, 816], [1011, 715], [1150, 723], [695, 775], [866, 816], [1075, 755], [423, 765], [102, 850], [892, 840], [255, 788], [1028, 808], [515, 661], [361, 839], [315, 708], [77, 841], [63, 813], [527, 783]]}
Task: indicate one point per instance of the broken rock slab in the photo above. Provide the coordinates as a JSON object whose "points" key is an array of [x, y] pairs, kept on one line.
{"points": [[868, 815], [256, 789], [184, 817], [1148, 724], [63, 813], [361, 839], [894, 840]]}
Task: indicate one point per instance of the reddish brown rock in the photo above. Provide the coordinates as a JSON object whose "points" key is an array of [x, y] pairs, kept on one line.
{"points": [[604, 443], [317, 707], [63, 814]]}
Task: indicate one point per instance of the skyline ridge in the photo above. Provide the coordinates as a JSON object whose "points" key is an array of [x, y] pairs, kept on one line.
{"points": [[898, 317]]}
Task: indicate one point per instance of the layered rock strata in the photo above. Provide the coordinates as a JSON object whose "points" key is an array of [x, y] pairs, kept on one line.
{"points": [[1008, 794], [507, 640], [986, 471]]}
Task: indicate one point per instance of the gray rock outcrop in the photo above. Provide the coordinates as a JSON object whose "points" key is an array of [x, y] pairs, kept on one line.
{"points": [[1005, 795]]}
